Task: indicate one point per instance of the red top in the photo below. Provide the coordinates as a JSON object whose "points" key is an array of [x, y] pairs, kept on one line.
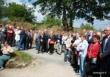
{"points": [[10, 32], [93, 50]]}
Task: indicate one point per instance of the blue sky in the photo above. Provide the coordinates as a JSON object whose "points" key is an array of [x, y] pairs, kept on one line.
{"points": [[97, 23]]}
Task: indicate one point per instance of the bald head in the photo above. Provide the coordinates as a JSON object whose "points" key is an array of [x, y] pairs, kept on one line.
{"points": [[107, 28]]}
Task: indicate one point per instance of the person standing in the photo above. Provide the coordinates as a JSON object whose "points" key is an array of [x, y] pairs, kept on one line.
{"points": [[82, 49], [23, 37], [93, 56], [17, 36], [30, 34], [51, 43], [38, 41], [68, 49], [105, 54], [10, 35], [76, 56], [45, 41]]}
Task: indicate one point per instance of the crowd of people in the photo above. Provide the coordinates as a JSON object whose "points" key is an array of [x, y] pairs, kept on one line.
{"points": [[88, 52]]}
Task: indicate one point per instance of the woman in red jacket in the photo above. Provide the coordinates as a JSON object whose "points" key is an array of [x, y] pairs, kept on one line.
{"points": [[93, 54], [94, 48]]}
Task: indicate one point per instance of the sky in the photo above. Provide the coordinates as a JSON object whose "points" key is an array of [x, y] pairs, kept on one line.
{"points": [[97, 23]]}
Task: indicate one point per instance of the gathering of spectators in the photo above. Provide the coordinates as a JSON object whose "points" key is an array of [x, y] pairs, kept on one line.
{"points": [[87, 52]]}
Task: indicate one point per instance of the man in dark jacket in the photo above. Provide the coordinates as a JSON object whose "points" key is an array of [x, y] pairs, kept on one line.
{"points": [[23, 37], [45, 42], [106, 52]]}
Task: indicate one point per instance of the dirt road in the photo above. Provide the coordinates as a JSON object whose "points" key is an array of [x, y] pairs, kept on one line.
{"points": [[44, 65]]}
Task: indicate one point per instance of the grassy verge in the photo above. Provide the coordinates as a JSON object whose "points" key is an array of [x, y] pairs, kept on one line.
{"points": [[23, 56], [19, 60]]}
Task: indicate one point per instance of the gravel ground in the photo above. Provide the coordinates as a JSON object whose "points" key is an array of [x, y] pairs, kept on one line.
{"points": [[44, 65]]}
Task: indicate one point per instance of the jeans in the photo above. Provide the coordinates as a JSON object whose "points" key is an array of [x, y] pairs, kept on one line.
{"points": [[67, 55], [59, 48], [82, 66], [22, 44], [3, 59], [17, 44], [38, 46]]}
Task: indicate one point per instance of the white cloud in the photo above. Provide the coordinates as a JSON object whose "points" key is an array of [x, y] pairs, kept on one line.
{"points": [[39, 16], [16, 1]]}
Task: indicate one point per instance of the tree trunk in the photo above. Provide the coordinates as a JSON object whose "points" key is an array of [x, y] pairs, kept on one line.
{"points": [[71, 23], [64, 19]]}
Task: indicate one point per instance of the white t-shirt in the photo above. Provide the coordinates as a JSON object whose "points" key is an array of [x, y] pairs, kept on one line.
{"points": [[17, 35], [77, 41], [68, 42], [64, 38], [7, 50]]}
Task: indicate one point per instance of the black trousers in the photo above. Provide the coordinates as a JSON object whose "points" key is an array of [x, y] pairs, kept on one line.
{"points": [[44, 47], [10, 40], [105, 66], [51, 48]]}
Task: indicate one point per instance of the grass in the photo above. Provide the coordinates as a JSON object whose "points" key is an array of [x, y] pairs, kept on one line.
{"points": [[19, 60], [23, 56]]}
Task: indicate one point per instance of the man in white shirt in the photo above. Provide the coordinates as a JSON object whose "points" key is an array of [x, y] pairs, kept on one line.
{"points": [[17, 36]]}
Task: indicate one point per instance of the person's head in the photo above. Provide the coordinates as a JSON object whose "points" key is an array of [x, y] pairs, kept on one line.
{"points": [[83, 37], [0, 25], [91, 32], [78, 35], [99, 34], [107, 31], [10, 26], [96, 38], [6, 43]]}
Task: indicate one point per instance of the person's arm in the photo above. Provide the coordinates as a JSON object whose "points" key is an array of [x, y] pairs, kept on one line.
{"points": [[83, 48], [76, 42], [10, 50], [106, 53]]}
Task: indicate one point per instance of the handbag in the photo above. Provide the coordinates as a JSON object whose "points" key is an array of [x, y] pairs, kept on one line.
{"points": [[51, 42]]}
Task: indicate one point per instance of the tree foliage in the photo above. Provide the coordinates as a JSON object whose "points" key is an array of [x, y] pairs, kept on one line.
{"points": [[74, 9], [87, 27], [1, 7], [20, 12], [52, 21], [16, 12]]}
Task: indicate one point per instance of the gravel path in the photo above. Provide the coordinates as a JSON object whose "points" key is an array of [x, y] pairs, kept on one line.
{"points": [[44, 65]]}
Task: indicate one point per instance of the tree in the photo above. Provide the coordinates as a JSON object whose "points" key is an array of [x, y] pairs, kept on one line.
{"points": [[20, 12], [93, 9], [57, 8], [1, 7], [69, 10], [87, 27], [52, 21]]}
